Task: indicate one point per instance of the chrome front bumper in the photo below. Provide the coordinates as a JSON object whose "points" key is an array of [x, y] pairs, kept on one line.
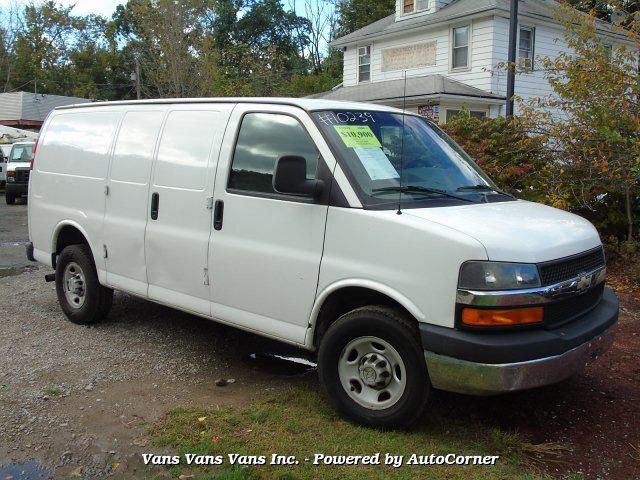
{"points": [[473, 378]]}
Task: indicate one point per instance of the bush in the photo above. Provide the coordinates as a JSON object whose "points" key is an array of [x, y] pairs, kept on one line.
{"points": [[525, 165], [625, 254], [515, 160]]}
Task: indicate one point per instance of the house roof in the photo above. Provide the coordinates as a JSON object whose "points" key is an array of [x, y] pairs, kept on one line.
{"points": [[454, 11], [424, 86], [27, 106]]}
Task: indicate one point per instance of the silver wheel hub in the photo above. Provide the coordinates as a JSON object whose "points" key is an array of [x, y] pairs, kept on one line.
{"points": [[372, 372], [375, 371], [73, 284]]}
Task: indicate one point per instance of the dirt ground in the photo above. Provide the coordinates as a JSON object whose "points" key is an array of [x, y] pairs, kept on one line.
{"points": [[79, 400]]}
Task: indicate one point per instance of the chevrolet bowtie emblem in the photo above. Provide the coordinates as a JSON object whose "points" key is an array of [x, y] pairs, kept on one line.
{"points": [[584, 283]]}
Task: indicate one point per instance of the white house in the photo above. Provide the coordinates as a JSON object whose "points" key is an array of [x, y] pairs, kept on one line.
{"points": [[449, 51]]}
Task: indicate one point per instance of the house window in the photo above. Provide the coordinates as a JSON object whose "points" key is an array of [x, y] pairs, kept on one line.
{"points": [[364, 64], [412, 6], [525, 47], [408, 6], [453, 113], [460, 53]]}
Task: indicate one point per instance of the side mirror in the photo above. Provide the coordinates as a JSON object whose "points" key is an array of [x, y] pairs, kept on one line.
{"points": [[290, 178]]}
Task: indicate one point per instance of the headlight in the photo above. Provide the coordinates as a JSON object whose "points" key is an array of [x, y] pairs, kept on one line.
{"points": [[498, 276]]}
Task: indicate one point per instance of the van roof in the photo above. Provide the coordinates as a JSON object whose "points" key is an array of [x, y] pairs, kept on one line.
{"points": [[308, 104]]}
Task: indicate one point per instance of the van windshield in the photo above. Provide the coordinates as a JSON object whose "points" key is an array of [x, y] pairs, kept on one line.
{"points": [[426, 167], [21, 153]]}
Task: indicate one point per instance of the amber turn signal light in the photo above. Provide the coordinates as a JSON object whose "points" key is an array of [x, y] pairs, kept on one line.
{"points": [[501, 318]]}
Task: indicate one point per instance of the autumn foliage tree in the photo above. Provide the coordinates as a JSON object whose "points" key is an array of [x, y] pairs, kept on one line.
{"points": [[591, 121], [504, 149]]}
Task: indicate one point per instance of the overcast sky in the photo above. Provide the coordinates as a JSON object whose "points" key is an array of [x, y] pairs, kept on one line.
{"points": [[100, 7]]}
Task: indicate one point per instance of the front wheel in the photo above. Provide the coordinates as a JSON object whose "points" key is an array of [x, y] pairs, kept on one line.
{"points": [[371, 366], [82, 298]]}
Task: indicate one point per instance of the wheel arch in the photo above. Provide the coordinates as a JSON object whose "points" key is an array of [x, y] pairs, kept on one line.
{"points": [[346, 295], [66, 233]]}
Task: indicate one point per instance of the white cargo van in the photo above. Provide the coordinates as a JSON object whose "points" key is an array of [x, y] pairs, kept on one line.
{"points": [[348, 229]]}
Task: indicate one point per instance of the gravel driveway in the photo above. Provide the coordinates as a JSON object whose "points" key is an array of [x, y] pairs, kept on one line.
{"points": [[74, 396], [13, 234]]}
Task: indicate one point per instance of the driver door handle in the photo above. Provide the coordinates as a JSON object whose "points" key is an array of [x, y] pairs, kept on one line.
{"points": [[155, 205], [218, 214]]}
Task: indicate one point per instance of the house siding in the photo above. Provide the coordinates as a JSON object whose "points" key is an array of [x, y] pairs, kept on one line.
{"points": [[350, 66], [549, 42], [478, 75]]}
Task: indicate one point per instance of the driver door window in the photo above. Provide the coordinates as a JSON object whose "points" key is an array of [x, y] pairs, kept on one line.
{"points": [[263, 138]]}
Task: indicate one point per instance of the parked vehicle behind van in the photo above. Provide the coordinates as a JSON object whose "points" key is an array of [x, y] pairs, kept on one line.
{"points": [[18, 171], [351, 230], [3, 168], [5, 151]]}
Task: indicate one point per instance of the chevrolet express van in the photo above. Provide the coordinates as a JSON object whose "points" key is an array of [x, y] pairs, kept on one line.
{"points": [[352, 230], [18, 171]]}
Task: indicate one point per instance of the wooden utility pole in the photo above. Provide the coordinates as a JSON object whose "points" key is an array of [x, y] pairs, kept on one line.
{"points": [[138, 94], [511, 62]]}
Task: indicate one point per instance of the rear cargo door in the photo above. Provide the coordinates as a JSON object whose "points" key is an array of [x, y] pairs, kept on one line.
{"points": [[179, 215], [127, 190]]}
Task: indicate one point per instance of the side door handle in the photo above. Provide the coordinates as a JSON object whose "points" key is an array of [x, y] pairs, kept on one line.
{"points": [[155, 205], [218, 214]]}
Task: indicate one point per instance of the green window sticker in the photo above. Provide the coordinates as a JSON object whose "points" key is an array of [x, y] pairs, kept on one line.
{"points": [[357, 136]]}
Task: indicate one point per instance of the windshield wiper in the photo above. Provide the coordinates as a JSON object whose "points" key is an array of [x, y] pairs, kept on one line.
{"points": [[419, 189], [485, 188]]}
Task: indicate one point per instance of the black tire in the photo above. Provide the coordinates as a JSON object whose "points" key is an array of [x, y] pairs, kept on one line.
{"points": [[97, 299], [10, 198], [402, 334]]}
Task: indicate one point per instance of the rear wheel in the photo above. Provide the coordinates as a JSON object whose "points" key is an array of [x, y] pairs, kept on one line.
{"points": [[82, 298], [371, 366], [10, 198]]}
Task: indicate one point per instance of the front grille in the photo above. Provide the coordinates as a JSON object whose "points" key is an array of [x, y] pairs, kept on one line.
{"points": [[564, 311], [564, 269], [22, 176]]}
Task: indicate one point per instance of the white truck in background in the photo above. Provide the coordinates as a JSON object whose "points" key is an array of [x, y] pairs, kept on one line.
{"points": [[18, 171]]}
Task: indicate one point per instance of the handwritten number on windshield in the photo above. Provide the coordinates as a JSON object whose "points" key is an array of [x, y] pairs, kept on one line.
{"points": [[331, 118]]}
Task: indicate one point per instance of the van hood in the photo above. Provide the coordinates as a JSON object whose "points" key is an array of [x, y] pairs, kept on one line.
{"points": [[517, 231], [15, 165]]}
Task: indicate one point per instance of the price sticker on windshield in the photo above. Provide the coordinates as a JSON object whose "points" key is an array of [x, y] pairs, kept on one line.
{"points": [[357, 136]]}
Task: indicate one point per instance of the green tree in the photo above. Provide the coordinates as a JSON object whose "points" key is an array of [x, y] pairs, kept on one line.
{"points": [[355, 14], [604, 8]]}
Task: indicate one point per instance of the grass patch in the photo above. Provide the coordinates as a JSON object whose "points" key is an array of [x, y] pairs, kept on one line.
{"points": [[299, 422], [52, 391]]}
